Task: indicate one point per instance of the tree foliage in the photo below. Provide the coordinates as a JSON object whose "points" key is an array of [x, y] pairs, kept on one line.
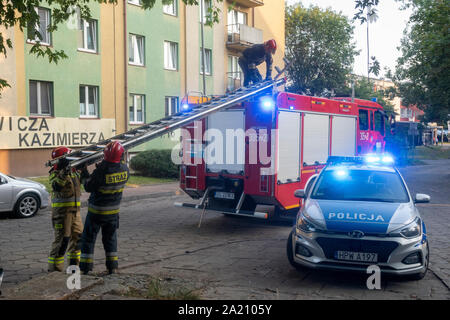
{"points": [[22, 13], [423, 71], [319, 45]]}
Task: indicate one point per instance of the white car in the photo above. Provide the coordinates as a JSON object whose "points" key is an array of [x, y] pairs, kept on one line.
{"points": [[22, 196]]}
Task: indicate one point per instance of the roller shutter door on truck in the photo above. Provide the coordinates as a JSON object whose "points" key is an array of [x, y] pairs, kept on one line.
{"points": [[288, 162], [343, 136], [316, 133], [228, 154]]}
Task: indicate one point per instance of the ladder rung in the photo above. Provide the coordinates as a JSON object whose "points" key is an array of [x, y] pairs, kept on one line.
{"points": [[191, 177], [88, 151], [73, 158], [126, 135]]}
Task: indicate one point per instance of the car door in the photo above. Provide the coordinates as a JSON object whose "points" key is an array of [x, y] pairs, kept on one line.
{"points": [[6, 192]]}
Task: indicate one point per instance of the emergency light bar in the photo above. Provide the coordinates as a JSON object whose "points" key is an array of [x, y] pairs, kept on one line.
{"points": [[377, 159]]}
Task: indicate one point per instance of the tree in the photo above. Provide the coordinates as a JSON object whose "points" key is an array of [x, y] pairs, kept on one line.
{"points": [[22, 13], [423, 71], [319, 45]]}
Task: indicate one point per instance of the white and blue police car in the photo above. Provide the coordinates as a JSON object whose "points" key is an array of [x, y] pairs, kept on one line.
{"points": [[358, 212]]}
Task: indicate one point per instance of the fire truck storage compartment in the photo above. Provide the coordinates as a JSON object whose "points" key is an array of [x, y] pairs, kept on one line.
{"points": [[316, 133], [229, 157], [288, 162], [343, 136]]}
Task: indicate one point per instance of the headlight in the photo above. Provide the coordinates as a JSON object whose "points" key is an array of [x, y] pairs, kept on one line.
{"points": [[305, 225], [412, 230]]}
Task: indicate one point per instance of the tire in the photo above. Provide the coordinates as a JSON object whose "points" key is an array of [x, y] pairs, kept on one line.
{"points": [[27, 206], [290, 253], [421, 275]]}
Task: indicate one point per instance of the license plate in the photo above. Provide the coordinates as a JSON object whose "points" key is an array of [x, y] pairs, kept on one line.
{"points": [[356, 256], [224, 195]]}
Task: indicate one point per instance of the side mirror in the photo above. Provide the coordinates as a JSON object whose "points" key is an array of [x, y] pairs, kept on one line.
{"points": [[2, 180], [299, 193], [422, 198]]}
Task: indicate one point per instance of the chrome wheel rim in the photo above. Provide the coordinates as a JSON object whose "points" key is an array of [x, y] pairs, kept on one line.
{"points": [[28, 206]]}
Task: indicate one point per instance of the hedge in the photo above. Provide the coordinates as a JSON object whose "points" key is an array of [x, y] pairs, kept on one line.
{"points": [[155, 163]]}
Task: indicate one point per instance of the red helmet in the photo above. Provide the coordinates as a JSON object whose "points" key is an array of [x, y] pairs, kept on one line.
{"points": [[60, 151], [113, 152], [271, 45]]}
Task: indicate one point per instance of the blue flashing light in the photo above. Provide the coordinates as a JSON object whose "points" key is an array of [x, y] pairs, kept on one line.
{"points": [[184, 106], [267, 103], [380, 159], [387, 159], [291, 108], [341, 173]]}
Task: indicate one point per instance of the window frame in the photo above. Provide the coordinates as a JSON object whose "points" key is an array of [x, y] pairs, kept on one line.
{"points": [[39, 112], [133, 2], [175, 8], [133, 97], [206, 61], [203, 16], [143, 49], [36, 27], [169, 47], [86, 101], [83, 28], [367, 119], [168, 108]]}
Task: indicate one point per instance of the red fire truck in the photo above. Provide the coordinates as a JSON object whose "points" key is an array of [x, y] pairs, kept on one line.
{"points": [[291, 135]]}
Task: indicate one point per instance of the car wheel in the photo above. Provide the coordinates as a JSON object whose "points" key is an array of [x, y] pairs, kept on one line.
{"points": [[421, 275], [290, 253], [26, 206]]}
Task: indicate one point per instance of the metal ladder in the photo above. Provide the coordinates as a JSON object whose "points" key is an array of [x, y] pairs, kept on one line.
{"points": [[147, 132]]}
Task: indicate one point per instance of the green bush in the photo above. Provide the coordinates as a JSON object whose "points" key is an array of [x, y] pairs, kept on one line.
{"points": [[155, 163]]}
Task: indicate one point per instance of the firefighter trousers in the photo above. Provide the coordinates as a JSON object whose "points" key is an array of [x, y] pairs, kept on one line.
{"points": [[68, 227], [108, 223]]}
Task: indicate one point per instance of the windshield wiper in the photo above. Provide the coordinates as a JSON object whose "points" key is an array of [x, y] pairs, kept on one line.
{"points": [[371, 199]]}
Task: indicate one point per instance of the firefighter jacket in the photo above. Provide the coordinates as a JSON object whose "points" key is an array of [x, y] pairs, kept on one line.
{"points": [[257, 55], [106, 185], [65, 186]]}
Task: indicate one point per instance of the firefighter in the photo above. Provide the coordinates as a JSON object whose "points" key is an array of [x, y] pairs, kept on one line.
{"points": [[105, 184], [66, 218], [254, 56]]}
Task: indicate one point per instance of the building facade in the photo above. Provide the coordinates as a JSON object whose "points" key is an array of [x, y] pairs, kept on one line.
{"points": [[126, 66]]}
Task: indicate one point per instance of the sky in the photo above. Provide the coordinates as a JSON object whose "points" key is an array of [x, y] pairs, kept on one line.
{"points": [[384, 34]]}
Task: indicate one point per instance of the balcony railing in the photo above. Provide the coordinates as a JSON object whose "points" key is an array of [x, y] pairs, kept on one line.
{"points": [[234, 80], [241, 36], [249, 3]]}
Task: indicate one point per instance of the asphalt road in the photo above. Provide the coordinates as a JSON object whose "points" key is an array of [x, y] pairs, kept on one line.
{"points": [[235, 258]]}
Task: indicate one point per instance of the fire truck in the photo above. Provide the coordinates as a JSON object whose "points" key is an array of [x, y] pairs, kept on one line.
{"points": [[291, 136]]}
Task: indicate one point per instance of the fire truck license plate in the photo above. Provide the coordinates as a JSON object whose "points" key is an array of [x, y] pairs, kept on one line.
{"points": [[224, 195], [356, 256]]}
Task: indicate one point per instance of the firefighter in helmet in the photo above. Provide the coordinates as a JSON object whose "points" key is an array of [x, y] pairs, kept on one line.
{"points": [[105, 184], [254, 56], [66, 218]]}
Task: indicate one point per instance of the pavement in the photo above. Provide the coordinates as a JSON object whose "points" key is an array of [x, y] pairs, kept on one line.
{"points": [[164, 254]]}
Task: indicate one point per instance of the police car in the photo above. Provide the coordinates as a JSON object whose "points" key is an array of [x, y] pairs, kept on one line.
{"points": [[358, 212]]}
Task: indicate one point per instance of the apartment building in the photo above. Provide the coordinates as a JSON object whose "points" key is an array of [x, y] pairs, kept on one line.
{"points": [[127, 66]]}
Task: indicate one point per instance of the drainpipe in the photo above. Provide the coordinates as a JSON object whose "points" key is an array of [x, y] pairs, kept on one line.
{"points": [[125, 61]]}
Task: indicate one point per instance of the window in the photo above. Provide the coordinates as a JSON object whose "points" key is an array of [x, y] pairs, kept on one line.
{"points": [[88, 101], [205, 15], [404, 113], [135, 2], [170, 8], [41, 98], [234, 73], [170, 55], [136, 50], [379, 122], [41, 27], [137, 108], [171, 105], [234, 19], [371, 121], [88, 38], [208, 61], [363, 120]]}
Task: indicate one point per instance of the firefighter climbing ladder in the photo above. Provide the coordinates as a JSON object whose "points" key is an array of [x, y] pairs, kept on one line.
{"points": [[147, 132]]}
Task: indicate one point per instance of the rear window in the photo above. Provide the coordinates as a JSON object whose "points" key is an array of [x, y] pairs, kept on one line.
{"points": [[360, 185]]}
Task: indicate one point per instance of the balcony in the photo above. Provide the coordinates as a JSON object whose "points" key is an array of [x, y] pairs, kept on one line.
{"points": [[241, 36], [249, 3], [234, 80]]}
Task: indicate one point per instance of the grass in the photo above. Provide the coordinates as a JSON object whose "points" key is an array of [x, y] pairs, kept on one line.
{"points": [[157, 290], [419, 154], [133, 180]]}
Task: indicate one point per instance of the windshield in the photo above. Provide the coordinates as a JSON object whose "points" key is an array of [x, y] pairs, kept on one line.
{"points": [[360, 185]]}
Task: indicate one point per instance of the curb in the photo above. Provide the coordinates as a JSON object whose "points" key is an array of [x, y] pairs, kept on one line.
{"points": [[139, 197]]}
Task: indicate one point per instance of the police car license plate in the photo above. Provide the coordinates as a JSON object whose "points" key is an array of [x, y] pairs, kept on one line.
{"points": [[224, 195], [356, 256]]}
